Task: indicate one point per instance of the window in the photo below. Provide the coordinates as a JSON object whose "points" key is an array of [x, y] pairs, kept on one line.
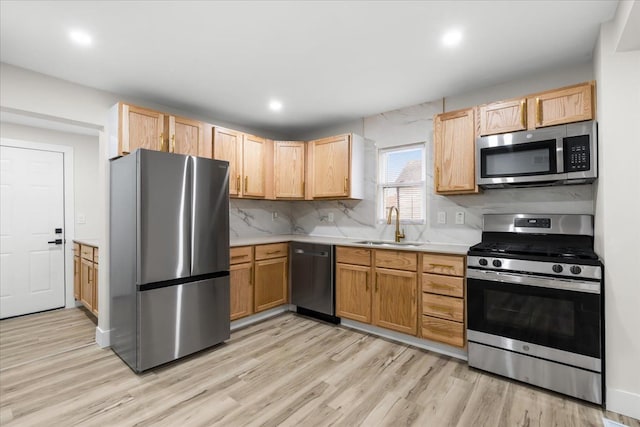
{"points": [[401, 182]]}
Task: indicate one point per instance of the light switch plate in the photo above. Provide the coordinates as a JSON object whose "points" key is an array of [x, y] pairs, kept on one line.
{"points": [[330, 217], [459, 217], [81, 219], [442, 217]]}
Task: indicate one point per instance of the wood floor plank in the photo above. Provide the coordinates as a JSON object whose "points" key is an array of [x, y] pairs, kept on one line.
{"points": [[285, 371]]}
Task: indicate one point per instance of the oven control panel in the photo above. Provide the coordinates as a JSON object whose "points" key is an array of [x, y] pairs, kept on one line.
{"points": [[522, 266]]}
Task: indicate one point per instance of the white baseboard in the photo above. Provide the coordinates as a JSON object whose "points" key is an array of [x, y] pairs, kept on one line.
{"points": [[103, 338], [623, 402], [407, 339], [255, 318]]}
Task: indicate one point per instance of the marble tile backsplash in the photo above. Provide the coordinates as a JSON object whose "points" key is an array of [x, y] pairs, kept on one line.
{"points": [[357, 218]]}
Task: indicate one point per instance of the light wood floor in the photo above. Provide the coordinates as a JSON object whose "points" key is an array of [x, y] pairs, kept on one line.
{"points": [[286, 371]]}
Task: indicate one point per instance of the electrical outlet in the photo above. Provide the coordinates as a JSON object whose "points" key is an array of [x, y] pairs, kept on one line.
{"points": [[330, 217], [81, 219], [442, 217], [459, 217]]}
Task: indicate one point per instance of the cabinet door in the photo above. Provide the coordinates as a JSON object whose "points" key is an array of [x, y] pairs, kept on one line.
{"points": [[253, 155], [241, 284], [227, 145], [566, 105], [185, 136], [141, 128], [455, 152], [289, 169], [76, 277], [395, 303], [87, 279], [331, 166], [94, 290], [353, 292], [503, 116], [270, 283]]}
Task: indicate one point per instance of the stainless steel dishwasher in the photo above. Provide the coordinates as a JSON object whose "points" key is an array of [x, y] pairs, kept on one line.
{"points": [[312, 289]]}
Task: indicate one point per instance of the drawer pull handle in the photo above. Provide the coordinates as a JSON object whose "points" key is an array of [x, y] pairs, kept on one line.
{"points": [[523, 112], [239, 256], [273, 252]]}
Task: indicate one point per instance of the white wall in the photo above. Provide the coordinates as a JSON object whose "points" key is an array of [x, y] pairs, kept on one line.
{"points": [[85, 171], [618, 210]]}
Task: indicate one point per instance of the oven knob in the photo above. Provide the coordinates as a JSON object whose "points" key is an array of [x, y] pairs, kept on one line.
{"points": [[497, 263], [557, 268], [482, 261], [575, 269]]}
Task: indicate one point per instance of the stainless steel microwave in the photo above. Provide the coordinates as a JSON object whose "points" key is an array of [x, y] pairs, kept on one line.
{"points": [[563, 154]]}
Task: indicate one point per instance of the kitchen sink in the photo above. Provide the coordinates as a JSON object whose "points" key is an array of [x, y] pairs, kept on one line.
{"points": [[388, 243]]}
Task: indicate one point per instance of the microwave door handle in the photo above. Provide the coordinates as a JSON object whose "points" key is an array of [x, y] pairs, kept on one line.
{"points": [[560, 155]]}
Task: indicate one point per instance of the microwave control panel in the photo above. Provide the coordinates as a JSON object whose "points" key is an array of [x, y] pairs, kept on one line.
{"points": [[577, 153]]}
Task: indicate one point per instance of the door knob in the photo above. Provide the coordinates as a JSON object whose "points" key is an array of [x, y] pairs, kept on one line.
{"points": [[57, 241]]}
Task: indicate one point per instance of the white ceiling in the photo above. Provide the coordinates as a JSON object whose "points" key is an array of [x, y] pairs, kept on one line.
{"points": [[328, 62]]}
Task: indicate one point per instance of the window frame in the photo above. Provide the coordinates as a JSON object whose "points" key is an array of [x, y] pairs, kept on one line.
{"points": [[381, 214]]}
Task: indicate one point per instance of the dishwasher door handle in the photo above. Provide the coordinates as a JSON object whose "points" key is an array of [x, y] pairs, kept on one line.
{"points": [[302, 252]]}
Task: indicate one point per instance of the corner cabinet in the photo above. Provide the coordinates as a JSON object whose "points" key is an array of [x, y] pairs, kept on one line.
{"points": [[289, 169], [454, 137], [336, 167]]}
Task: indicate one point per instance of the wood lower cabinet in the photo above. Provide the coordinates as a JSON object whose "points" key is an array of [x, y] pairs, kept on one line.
{"points": [[443, 299], [241, 282], [85, 278], [353, 292], [455, 168], [258, 278], [354, 288]]}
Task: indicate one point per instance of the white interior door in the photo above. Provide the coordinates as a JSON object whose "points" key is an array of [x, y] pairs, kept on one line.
{"points": [[31, 209]]}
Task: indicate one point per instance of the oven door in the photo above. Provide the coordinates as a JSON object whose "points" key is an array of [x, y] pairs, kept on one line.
{"points": [[558, 316], [521, 157]]}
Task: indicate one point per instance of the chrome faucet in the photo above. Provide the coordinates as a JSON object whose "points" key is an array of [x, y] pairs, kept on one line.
{"points": [[399, 234]]}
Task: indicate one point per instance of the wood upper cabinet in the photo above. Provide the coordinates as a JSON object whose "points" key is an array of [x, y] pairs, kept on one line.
{"points": [[184, 136], [289, 169], [503, 116], [395, 300], [138, 128], [336, 167], [454, 136], [253, 166], [564, 105], [227, 145]]}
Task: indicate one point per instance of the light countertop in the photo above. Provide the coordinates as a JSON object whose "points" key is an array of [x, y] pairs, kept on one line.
{"points": [[89, 242], [445, 248]]}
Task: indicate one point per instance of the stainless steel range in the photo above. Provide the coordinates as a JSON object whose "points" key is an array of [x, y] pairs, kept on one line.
{"points": [[535, 303]]}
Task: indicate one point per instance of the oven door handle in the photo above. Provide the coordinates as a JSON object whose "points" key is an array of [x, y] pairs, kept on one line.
{"points": [[532, 280]]}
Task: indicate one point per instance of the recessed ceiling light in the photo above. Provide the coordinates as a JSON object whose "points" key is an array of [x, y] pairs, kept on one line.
{"points": [[452, 38], [275, 105], [80, 37]]}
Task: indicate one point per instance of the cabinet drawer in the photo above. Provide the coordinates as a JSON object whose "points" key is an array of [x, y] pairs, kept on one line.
{"points": [[398, 260], [441, 330], [443, 285], [275, 250], [86, 252], [443, 307], [241, 254], [358, 256], [451, 265]]}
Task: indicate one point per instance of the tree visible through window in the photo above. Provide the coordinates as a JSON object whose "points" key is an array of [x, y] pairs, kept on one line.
{"points": [[401, 182]]}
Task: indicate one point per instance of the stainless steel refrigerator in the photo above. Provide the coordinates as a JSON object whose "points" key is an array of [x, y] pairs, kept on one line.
{"points": [[169, 256]]}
